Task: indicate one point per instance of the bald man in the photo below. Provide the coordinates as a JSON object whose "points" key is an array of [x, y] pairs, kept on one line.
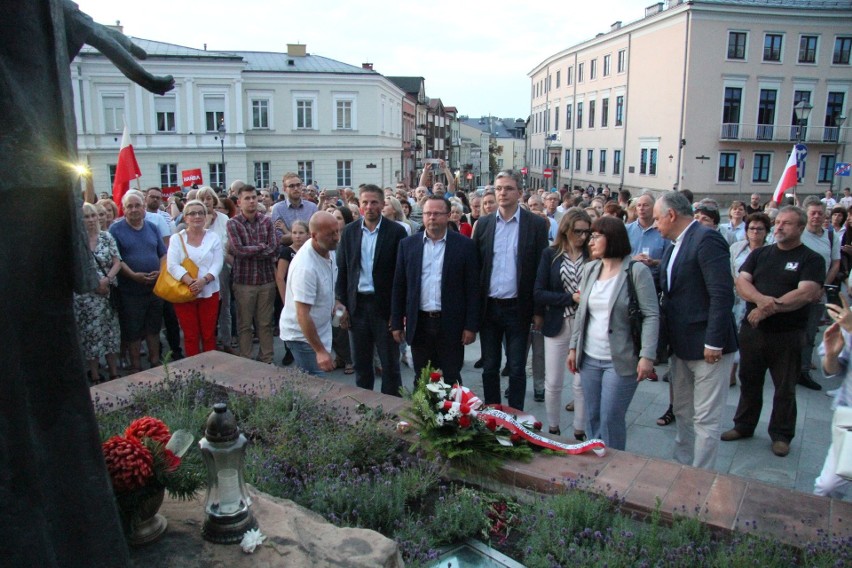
{"points": [[309, 302]]}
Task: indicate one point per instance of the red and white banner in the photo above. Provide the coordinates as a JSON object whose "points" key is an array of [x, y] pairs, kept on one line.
{"points": [[513, 421], [167, 191], [125, 170], [789, 178], [192, 177]]}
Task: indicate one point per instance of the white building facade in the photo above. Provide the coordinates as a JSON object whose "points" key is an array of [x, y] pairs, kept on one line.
{"points": [[335, 124], [698, 96]]}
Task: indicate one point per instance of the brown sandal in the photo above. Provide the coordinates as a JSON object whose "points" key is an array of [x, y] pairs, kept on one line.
{"points": [[570, 406]]}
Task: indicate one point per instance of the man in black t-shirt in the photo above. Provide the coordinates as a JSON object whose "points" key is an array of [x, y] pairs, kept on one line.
{"points": [[778, 283]]}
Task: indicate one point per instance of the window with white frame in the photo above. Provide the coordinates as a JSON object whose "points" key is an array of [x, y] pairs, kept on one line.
{"points": [[762, 167], [567, 164], [305, 111], [590, 157], [260, 113], [217, 174], [604, 112], [578, 156], [261, 174], [111, 169], [727, 167], [113, 113], [607, 65], [305, 169], [602, 162], [826, 168], [344, 173], [648, 158], [616, 162], [808, 48], [842, 49], [592, 113], [737, 45], [580, 72], [214, 112], [593, 69], [164, 107], [772, 47], [168, 175], [344, 112], [622, 60], [619, 110]]}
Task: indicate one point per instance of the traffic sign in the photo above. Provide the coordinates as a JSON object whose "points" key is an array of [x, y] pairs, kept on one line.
{"points": [[524, 171], [548, 173]]}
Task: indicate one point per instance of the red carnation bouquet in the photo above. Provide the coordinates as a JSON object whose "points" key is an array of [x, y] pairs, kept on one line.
{"points": [[147, 459]]}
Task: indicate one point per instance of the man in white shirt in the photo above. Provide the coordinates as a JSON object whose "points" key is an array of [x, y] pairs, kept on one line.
{"points": [[829, 200], [846, 200], [309, 302], [826, 244]]}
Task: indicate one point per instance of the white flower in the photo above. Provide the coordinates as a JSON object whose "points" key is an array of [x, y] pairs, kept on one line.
{"points": [[251, 540], [435, 387], [439, 418], [453, 413]]}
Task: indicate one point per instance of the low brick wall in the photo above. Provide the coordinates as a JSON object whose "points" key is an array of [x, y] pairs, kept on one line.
{"points": [[724, 502]]}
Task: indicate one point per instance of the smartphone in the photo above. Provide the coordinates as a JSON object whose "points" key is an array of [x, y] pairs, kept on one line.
{"points": [[832, 295]]}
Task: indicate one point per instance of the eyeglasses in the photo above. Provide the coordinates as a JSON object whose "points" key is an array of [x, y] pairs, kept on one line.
{"points": [[582, 232], [595, 236], [757, 229], [194, 214]]}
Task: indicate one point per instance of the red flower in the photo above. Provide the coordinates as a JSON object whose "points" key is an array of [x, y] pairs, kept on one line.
{"points": [[129, 463], [147, 427], [172, 460], [516, 438], [537, 425], [464, 421], [491, 424], [464, 408], [435, 376]]}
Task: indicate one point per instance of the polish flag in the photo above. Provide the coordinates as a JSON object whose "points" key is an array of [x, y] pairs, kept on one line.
{"points": [[788, 180], [126, 170]]}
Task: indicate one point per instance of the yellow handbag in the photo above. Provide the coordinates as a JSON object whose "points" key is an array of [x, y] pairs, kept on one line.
{"points": [[172, 290]]}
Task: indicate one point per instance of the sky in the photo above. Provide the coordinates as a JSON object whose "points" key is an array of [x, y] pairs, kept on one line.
{"points": [[474, 55]]}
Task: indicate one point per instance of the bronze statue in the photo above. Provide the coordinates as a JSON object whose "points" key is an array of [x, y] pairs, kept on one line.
{"points": [[56, 505]]}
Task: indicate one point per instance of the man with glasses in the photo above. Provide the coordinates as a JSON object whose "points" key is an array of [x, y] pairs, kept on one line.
{"points": [[509, 243], [291, 208], [435, 306]]}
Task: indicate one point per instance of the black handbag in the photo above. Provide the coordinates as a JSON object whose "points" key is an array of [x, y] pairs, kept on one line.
{"points": [[634, 312]]}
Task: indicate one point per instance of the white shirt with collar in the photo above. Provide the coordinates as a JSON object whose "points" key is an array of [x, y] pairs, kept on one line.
{"points": [[431, 273], [504, 268]]}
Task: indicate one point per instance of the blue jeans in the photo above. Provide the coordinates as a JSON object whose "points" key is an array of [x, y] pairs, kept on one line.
{"points": [[607, 397], [502, 320], [305, 357]]}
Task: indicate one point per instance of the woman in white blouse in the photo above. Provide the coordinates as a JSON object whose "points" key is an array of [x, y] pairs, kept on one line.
{"points": [[218, 223], [204, 247]]}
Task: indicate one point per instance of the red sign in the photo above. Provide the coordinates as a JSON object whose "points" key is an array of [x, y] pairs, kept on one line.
{"points": [[166, 191], [469, 176], [192, 177], [524, 171], [547, 173]]}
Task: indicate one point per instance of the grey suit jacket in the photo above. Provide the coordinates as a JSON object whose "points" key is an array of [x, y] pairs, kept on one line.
{"points": [[620, 341]]}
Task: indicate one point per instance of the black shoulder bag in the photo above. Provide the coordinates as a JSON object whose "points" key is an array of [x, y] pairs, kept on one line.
{"points": [[634, 312]]}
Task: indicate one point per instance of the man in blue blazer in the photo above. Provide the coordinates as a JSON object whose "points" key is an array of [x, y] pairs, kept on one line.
{"points": [[435, 305], [366, 262], [509, 243], [698, 296]]}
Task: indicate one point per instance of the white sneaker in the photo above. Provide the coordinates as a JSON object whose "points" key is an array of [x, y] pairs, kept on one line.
{"points": [[832, 393]]}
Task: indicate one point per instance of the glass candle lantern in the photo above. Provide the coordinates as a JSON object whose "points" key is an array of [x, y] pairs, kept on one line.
{"points": [[223, 449]]}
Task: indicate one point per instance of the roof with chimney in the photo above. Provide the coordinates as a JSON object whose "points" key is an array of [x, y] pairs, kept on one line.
{"points": [[498, 127]]}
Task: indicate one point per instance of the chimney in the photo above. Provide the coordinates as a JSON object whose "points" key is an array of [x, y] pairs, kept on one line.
{"points": [[296, 49], [367, 66], [117, 27], [615, 26]]}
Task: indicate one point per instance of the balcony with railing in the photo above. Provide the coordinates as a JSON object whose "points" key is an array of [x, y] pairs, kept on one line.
{"points": [[783, 133]]}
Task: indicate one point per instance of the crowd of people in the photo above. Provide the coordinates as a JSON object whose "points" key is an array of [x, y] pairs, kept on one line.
{"points": [[596, 287]]}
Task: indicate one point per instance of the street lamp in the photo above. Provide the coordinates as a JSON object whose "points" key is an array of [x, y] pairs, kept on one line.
{"points": [[222, 132], [839, 120], [803, 111]]}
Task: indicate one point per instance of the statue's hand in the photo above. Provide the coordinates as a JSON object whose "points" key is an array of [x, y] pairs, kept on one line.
{"points": [[82, 29]]}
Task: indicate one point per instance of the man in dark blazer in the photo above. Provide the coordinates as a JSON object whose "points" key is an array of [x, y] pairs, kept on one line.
{"points": [[509, 243], [436, 293], [698, 296], [366, 262]]}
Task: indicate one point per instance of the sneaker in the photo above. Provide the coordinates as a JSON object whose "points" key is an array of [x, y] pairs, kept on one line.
{"points": [[806, 381], [780, 448], [478, 364], [832, 393], [538, 396]]}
